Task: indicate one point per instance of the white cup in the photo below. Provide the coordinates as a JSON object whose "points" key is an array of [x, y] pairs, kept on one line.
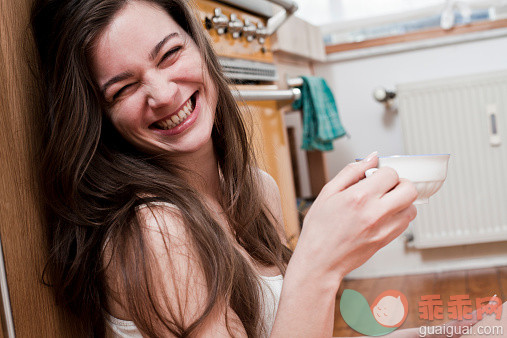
{"points": [[427, 172]]}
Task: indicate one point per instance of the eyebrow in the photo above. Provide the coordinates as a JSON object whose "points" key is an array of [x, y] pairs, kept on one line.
{"points": [[126, 75], [117, 78], [159, 45]]}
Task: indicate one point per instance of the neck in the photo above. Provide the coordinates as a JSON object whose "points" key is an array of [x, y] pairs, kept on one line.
{"points": [[202, 173]]}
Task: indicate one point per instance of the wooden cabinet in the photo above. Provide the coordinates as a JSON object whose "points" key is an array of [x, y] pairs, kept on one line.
{"points": [[269, 138], [299, 38], [34, 311]]}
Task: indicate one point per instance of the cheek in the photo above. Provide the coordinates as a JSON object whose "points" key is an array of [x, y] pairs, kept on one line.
{"points": [[118, 119], [122, 123], [189, 66], [127, 113], [194, 67], [212, 92]]}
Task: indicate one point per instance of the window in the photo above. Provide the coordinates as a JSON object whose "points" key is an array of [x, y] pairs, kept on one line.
{"points": [[344, 21]]}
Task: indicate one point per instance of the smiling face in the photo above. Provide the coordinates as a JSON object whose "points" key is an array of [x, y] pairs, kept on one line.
{"points": [[152, 75], [389, 311]]}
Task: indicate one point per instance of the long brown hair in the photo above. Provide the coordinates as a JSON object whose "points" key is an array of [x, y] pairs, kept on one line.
{"points": [[93, 182]]}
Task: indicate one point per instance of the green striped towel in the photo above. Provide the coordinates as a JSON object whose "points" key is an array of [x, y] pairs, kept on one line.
{"points": [[321, 123]]}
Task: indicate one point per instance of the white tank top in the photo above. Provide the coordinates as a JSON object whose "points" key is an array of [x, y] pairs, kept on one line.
{"points": [[271, 289]]}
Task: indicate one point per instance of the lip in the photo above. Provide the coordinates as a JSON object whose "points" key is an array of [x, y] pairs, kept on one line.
{"points": [[185, 124]]}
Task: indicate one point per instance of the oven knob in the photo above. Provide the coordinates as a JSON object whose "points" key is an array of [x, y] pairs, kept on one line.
{"points": [[220, 21], [235, 26], [261, 32], [249, 30]]}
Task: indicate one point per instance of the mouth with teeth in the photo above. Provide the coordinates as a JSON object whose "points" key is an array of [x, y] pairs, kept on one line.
{"points": [[176, 119]]}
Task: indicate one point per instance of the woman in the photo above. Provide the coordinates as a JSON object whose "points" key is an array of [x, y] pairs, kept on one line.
{"points": [[159, 222]]}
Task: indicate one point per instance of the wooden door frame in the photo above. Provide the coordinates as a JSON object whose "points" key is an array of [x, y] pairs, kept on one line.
{"points": [[34, 312]]}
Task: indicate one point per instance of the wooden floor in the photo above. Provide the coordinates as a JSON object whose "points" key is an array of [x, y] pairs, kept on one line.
{"points": [[476, 283]]}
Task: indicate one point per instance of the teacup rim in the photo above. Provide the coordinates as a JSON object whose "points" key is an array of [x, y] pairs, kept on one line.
{"points": [[415, 155]]}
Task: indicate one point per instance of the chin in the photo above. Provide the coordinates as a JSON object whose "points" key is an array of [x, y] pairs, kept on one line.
{"points": [[187, 145]]}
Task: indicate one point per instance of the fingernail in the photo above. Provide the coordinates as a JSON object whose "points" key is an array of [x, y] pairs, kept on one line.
{"points": [[370, 157]]}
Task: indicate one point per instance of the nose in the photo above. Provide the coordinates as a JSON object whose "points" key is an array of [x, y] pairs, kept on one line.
{"points": [[161, 91]]}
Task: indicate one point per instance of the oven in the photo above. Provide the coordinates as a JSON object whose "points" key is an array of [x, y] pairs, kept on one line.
{"points": [[240, 31]]}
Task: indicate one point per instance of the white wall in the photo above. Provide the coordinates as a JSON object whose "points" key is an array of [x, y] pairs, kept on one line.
{"points": [[373, 128]]}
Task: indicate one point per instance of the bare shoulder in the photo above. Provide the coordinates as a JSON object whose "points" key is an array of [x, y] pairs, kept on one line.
{"points": [[273, 201], [162, 220], [166, 245], [166, 234], [269, 188], [175, 277]]}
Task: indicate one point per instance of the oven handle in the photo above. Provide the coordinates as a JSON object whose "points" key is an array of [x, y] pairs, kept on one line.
{"points": [[274, 22], [267, 95]]}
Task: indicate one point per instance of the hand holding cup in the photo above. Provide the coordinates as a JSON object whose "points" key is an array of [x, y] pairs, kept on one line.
{"points": [[426, 172]]}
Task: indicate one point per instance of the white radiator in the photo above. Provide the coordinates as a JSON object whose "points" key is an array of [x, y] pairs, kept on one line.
{"points": [[466, 117]]}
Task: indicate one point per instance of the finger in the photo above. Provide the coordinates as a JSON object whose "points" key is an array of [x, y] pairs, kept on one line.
{"points": [[399, 198], [398, 223], [352, 173], [380, 182]]}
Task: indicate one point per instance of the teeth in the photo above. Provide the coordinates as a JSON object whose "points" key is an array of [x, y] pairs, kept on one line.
{"points": [[177, 118]]}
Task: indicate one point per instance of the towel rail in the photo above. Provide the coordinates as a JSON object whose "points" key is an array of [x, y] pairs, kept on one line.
{"points": [[383, 95], [294, 82], [267, 95]]}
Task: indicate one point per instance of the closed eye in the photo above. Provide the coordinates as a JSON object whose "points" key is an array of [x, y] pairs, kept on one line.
{"points": [[122, 90], [168, 54]]}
